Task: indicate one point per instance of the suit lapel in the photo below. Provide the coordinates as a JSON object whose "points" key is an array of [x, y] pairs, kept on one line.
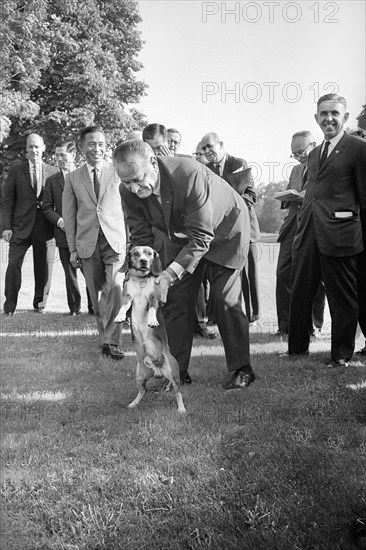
{"points": [[87, 182], [338, 150], [104, 179], [26, 172], [166, 194]]}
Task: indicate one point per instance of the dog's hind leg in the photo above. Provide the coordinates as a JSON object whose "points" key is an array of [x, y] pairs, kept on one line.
{"points": [[142, 375], [170, 370]]}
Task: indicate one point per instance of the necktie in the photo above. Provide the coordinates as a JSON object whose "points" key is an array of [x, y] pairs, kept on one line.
{"points": [[96, 182], [216, 169], [304, 177], [35, 180], [324, 154]]}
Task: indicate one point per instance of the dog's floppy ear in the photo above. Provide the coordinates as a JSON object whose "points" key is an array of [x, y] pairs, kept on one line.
{"points": [[156, 264], [126, 263]]}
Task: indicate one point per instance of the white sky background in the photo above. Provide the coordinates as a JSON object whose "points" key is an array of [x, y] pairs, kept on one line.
{"points": [[191, 66]]}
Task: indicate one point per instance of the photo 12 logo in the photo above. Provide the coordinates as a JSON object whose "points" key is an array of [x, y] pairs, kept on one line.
{"points": [[269, 12], [253, 92]]}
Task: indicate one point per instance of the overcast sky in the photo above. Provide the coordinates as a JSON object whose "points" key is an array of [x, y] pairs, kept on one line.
{"points": [[250, 71]]}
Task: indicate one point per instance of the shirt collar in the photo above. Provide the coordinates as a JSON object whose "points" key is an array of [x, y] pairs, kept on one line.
{"points": [[334, 141]]}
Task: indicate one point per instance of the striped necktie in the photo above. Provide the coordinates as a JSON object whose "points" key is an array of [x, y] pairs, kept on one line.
{"points": [[324, 154]]}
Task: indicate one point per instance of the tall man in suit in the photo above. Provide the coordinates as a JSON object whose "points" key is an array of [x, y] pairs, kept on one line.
{"points": [[236, 172], [208, 228], [328, 239], [24, 224], [301, 145], [96, 234], [65, 153]]}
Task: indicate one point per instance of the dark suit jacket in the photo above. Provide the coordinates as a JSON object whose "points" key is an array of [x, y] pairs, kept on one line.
{"points": [[20, 202], [201, 214], [338, 186], [244, 186], [52, 205], [289, 224]]}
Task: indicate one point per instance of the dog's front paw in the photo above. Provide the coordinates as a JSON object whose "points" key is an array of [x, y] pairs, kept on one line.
{"points": [[121, 317], [151, 318]]}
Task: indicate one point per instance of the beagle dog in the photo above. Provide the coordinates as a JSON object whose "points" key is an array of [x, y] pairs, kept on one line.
{"points": [[148, 330]]}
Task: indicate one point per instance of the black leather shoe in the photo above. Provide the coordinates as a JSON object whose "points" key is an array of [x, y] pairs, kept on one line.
{"points": [[38, 310], [336, 363], [204, 333], [91, 310], [288, 355], [112, 351], [240, 380], [8, 313], [185, 378]]}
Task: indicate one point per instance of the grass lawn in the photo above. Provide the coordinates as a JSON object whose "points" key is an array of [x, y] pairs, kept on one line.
{"points": [[280, 466]]}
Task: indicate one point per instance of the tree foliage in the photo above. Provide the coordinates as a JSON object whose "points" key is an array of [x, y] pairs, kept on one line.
{"points": [[268, 209], [69, 63]]}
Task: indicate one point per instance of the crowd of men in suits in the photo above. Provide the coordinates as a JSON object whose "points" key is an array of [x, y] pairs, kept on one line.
{"points": [[201, 218]]}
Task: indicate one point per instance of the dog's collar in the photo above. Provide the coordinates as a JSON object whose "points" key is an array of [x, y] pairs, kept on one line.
{"points": [[142, 281]]}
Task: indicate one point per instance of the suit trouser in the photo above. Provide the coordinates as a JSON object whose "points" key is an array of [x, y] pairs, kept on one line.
{"points": [[71, 280], [226, 295], [17, 251], [51, 253], [250, 284], [339, 275], [283, 289], [104, 283], [361, 290]]}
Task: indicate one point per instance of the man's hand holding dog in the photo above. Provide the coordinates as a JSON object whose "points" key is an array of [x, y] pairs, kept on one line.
{"points": [[165, 280]]}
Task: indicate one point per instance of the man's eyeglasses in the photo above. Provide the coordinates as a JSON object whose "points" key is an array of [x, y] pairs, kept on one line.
{"points": [[208, 146], [298, 154]]}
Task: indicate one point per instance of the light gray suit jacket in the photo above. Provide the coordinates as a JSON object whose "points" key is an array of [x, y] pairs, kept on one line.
{"points": [[84, 215]]}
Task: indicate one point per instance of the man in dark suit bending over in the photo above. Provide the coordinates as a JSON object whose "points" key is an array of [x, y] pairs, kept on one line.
{"points": [[208, 227], [329, 234]]}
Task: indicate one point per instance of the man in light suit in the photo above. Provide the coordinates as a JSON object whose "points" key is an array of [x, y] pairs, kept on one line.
{"points": [[208, 228], [96, 234], [301, 145], [24, 224], [329, 234], [65, 153], [236, 172]]}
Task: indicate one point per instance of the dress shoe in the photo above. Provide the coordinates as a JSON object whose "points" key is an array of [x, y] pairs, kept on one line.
{"points": [[185, 378], [91, 310], [336, 363], [282, 333], [112, 351], [288, 355], [72, 313], [8, 313], [39, 310], [204, 333], [361, 351], [240, 380]]}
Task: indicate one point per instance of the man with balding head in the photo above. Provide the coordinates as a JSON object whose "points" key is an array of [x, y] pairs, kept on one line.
{"points": [[301, 144], [207, 228], [24, 223], [236, 172]]}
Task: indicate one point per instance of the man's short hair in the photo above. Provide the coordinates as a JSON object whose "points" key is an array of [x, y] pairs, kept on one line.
{"points": [[304, 134], [132, 147], [332, 97], [28, 134], [69, 144], [151, 130], [90, 130], [174, 131]]}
